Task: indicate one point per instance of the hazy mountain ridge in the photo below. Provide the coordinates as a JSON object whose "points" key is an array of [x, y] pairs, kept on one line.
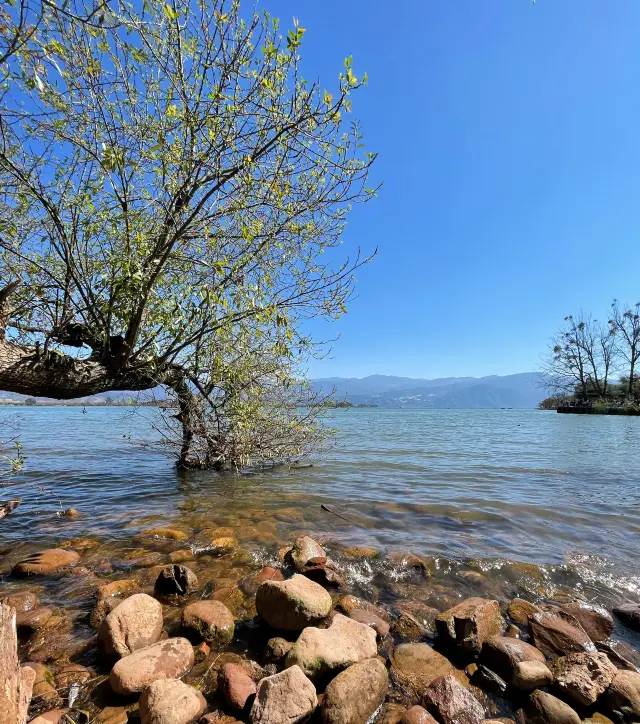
{"points": [[523, 390]]}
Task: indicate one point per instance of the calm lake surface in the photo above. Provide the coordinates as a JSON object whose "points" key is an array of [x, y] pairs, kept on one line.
{"points": [[476, 490]]}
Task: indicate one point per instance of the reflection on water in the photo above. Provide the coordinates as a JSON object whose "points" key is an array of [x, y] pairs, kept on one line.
{"points": [[474, 490]]}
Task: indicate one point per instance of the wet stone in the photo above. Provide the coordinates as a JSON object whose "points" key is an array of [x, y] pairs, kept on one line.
{"points": [[415, 620], [451, 703], [530, 675], [370, 619], [176, 580], [414, 667], [629, 614], [519, 611], [470, 623], [582, 677], [543, 708], [237, 687], [417, 715], [558, 633], [622, 698], [209, 620], [303, 550], [46, 562], [595, 620], [356, 693], [502, 653], [21, 602]]}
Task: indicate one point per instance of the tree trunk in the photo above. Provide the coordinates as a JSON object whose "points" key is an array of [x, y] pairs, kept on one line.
{"points": [[16, 683], [29, 371]]}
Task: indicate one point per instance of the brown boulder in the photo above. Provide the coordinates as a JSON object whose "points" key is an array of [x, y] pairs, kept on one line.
{"points": [[519, 610], [622, 698], [530, 675], [34, 620], [135, 623], [55, 716], [417, 715], [169, 659], [176, 580], [319, 651], [236, 687], [170, 701], [414, 667], [303, 550], [370, 619], [543, 708], [502, 653], [595, 620], [46, 562], [210, 620], [349, 603], [293, 604], [284, 698], [582, 677], [44, 692], [557, 633], [21, 602], [620, 654], [470, 623], [451, 703], [355, 694]]}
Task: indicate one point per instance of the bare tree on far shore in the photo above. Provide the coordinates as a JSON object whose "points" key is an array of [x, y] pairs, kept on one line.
{"points": [[625, 324]]}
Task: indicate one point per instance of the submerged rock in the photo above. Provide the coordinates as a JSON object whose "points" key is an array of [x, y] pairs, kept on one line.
{"points": [[133, 624], [170, 701], [451, 703], [276, 649], [55, 716], [629, 614], [166, 533], [415, 620], [294, 604], [21, 602], [210, 620], [318, 651], [583, 677], [356, 693], [414, 667], [46, 562], [284, 698], [169, 659]]}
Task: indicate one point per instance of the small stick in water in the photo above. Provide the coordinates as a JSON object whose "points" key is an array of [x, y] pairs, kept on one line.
{"points": [[333, 512]]}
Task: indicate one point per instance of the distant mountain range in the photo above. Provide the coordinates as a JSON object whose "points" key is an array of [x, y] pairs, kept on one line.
{"points": [[524, 390]]}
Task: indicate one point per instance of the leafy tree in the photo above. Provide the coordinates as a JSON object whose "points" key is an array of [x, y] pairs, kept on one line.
{"points": [[31, 401], [171, 194]]}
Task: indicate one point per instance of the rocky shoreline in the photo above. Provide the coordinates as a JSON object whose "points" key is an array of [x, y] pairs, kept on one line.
{"points": [[185, 640]]}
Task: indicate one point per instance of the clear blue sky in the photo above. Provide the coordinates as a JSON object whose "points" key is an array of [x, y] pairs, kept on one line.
{"points": [[509, 142]]}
